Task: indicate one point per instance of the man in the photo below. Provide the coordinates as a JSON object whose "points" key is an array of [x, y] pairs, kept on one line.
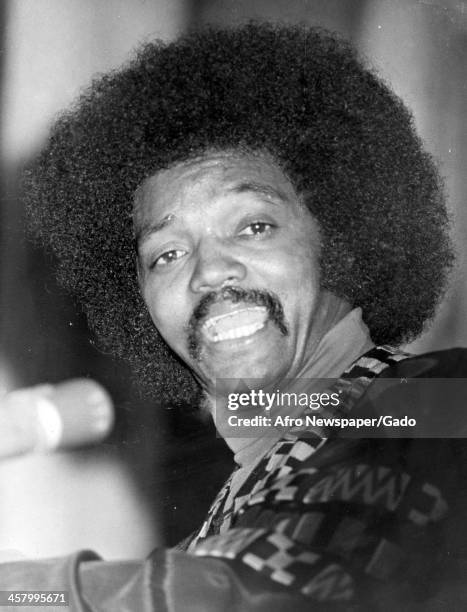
{"points": [[287, 223]]}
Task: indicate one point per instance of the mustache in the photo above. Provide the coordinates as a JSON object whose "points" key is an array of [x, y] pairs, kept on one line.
{"points": [[257, 297]]}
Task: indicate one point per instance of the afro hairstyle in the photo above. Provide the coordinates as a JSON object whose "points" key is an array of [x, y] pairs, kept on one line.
{"points": [[301, 94]]}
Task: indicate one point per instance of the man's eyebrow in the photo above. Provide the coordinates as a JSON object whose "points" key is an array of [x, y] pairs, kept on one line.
{"points": [[260, 188], [148, 229]]}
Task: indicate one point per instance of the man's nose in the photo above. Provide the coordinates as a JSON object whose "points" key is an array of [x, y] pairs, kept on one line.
{"points": [[216, 266]]}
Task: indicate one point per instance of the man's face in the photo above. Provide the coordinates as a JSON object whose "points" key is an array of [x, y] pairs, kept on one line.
{"points": [[228, 266]]}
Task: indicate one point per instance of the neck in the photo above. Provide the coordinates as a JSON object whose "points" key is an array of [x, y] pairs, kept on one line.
{"points": [[329, 312], [342, 337]]}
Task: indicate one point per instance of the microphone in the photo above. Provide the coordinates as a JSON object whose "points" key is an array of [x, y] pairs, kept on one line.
{"points": [[46, 418]]}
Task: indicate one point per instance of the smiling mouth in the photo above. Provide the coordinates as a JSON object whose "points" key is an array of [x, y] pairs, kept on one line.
{"points": [[233, 325]]}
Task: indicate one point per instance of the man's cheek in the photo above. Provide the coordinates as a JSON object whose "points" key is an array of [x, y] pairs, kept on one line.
{"points": [[163, 324], [176, 332], [174, 340]]}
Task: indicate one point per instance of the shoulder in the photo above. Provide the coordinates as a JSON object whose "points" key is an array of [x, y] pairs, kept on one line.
{"points": [[450, 363], [429, 389]]}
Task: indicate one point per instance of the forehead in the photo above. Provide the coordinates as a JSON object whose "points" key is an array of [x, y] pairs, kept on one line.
{"points": [[211, 176]]}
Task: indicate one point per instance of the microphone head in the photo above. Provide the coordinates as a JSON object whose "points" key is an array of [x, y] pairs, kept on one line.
{"points": [[71, 414]]}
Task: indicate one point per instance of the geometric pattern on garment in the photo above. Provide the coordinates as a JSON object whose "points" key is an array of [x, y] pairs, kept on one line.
{"points": [[288, 454], [283, 561]]}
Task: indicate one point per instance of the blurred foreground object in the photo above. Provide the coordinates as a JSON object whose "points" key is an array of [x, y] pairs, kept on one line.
{"points": [[43, 418], [52, 502]]}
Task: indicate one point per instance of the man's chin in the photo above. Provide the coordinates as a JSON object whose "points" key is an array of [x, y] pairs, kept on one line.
{"points": [[243, 376], [225, 363]]}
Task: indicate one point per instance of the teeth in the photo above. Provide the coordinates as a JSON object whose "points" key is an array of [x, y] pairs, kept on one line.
{"points": [[210, 323], [235, 324], [239, 332]]}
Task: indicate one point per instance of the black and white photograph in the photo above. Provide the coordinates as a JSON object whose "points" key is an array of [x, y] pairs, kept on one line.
{"points": [[233, 305]]}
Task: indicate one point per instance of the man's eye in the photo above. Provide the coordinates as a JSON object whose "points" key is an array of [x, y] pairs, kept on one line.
{"points": [[257, 228], [167, 258]]}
